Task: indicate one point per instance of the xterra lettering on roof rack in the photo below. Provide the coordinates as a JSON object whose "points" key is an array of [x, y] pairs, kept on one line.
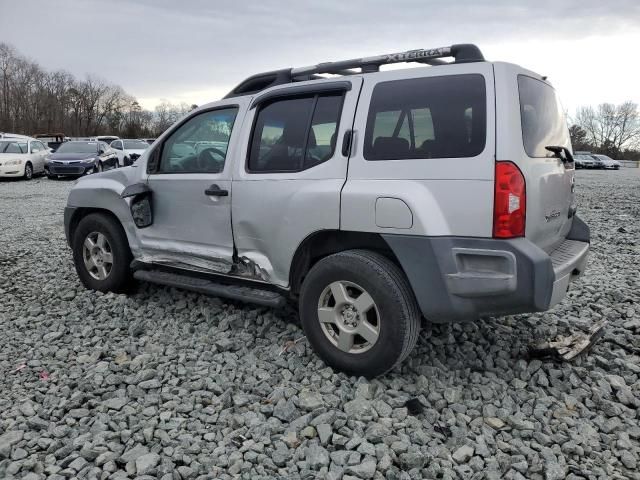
{"points": [[462, 53]]}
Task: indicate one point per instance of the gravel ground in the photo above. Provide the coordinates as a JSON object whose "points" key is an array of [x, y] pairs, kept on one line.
{"points": [[174, 385]]}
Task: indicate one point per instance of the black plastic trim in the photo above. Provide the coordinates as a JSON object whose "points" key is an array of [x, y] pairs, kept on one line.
{"points": [[307, 89], [579, 230], [135, 189], [428, 261]]}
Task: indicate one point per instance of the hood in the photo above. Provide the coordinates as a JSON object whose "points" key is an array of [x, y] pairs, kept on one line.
{"points": [[72, 156]]}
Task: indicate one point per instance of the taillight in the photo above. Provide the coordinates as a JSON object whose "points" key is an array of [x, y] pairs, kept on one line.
{"points": [[510, 202]]}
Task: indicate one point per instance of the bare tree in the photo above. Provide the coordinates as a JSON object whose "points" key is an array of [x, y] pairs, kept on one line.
{"points": [[610, 128]]}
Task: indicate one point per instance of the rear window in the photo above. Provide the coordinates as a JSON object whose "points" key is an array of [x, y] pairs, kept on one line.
{"points": [[542, 118], [435, 117]]}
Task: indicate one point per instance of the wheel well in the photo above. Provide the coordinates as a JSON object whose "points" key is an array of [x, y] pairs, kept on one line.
{"points": [[80, 213], [327, 242]]}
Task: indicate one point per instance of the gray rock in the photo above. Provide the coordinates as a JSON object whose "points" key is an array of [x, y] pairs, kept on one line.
{"points": [[7, 440], [324, 433], [285, 410], [309, 400], [147, 463], [133, 453], [317, 457], [365, 469], [359, 408], [463, 454]]}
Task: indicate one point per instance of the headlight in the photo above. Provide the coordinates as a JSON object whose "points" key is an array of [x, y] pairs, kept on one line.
{"points": [[14, 162]]}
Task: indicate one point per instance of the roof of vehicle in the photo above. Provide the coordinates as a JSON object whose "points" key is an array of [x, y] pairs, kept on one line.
{"points": [[462, 53]]}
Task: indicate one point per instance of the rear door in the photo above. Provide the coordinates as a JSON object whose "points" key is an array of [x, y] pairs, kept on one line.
{"points": [[530, 118], [287, 183]]}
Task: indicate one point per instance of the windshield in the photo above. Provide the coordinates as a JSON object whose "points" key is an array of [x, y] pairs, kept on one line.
{"points": [[135, 144], [542, 118], [13, 147], [78, 147]]}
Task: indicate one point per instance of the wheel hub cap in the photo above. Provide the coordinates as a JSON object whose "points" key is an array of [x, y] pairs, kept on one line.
{"points": [[349, 317], [97, 255]]}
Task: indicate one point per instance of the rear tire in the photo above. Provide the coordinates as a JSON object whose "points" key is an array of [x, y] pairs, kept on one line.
{"points": [[101, 254], [354, 292]]}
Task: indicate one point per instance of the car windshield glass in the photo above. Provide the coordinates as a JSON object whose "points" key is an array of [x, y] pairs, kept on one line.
{"points": [[13, 147], [135, 144], [542, 118], [78, 147]]}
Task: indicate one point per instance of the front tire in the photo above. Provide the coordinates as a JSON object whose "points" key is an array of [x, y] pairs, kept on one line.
{"points": [[28, 171], [359, 313], [101, 254]]}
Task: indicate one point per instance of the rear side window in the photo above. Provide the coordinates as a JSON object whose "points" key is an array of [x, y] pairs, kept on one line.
{"points": [[295, 134], [542, 118], [435, 117]]}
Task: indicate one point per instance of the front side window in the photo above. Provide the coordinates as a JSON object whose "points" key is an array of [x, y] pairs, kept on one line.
{"points": [[200, 144], [434, 117], [295, 134], [117, 145], [542, 118], [35, 147]]}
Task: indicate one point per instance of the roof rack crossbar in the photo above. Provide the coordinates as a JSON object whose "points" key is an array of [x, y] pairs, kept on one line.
{"points": [[462, 53]]}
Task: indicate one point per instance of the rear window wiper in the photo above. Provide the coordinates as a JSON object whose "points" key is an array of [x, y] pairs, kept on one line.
{"points": [[561, 152]]}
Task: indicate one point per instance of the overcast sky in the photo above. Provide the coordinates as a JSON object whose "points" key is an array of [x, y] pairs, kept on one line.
{"points": [[196, 50]]}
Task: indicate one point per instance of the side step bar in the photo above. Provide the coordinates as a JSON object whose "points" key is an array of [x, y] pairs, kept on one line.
{"points": [[202, 285]]}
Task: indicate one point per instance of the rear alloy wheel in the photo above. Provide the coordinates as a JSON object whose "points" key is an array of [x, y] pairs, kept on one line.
{"points": [[28, 171], [101, 254], [359, 313]]}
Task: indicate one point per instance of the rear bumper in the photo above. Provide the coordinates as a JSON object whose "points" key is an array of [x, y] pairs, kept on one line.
{"points": [[460, 278]]}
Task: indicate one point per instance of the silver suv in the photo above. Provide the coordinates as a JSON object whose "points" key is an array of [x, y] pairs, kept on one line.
{"points": [[371, 198]]}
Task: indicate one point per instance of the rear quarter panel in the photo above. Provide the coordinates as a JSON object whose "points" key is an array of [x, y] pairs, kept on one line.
{"points": [[446, 196]]}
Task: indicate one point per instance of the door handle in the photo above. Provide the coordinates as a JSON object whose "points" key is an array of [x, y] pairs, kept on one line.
{"points": [[346, 143], [215, 191]]}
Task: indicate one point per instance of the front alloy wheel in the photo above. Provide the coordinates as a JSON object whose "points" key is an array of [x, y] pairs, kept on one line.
{"points": [[101, 253], [97, 255]]}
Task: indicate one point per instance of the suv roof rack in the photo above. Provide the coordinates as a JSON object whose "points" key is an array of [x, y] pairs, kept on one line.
{"points": [[462, 53]]}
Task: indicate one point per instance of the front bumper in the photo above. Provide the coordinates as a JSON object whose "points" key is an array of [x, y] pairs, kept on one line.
{"points": [[462, 278], [12, 170], [71, 169]]}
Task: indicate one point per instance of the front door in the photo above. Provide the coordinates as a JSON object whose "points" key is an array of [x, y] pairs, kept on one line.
{"points": [[191, 195]]}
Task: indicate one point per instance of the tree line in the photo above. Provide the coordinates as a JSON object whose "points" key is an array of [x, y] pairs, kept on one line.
{"points": [[612, 130], [33, 100]]}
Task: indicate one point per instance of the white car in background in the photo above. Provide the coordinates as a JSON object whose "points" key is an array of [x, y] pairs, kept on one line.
{"points": [[22, 157], [128, 150], [608, 163]]}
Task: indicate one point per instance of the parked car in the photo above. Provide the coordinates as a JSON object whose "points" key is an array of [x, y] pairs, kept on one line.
{"points": [[605, 162], [51, 140], [22, 157], [584, 161], [79, 158], [128, 151], [369, 199], [104, 138]]}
